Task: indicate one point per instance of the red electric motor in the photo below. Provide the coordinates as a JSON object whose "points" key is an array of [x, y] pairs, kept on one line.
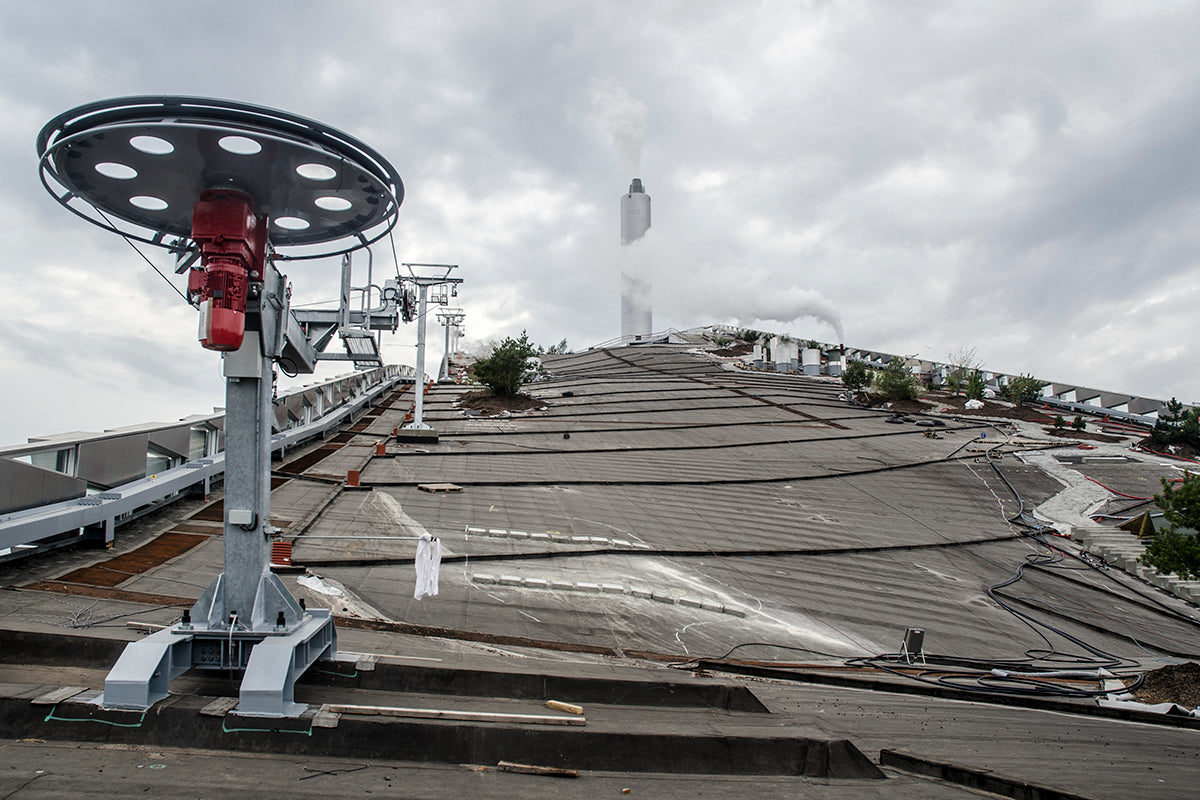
{"points": [[233, 246]]}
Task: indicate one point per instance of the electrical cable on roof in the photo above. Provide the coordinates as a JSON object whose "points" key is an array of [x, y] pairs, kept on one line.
{"points": [[693, 661], [990, 682], [998, 679]]}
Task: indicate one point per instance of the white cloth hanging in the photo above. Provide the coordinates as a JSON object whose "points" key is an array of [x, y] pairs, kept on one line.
{"points": [[429, 560]]}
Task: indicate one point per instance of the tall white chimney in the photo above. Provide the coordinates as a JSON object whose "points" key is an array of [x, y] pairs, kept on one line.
{"points": [[635, 284]]}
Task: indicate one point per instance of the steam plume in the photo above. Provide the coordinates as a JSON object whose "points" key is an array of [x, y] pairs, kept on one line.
{"points": [[623, 118], [786, 307]]}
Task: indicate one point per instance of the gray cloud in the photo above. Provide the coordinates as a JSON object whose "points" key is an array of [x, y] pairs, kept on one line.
{"points": [[1012, 177]]}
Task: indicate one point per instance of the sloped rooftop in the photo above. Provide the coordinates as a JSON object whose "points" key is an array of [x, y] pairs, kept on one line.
{"points": [[667, 517]]}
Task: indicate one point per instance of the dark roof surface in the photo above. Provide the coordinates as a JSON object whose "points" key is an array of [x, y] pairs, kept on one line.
{"points": [[662, 509]]}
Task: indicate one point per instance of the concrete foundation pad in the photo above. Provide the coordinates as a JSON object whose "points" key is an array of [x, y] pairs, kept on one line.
{"points": [[181, 724], [421, 435]]}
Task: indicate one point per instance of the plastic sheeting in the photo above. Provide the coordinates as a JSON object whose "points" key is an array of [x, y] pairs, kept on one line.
{"points": [[429, 561]]}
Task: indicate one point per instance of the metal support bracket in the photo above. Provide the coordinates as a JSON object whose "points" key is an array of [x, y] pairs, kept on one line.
{"points": [[143, 673], [268, 687]]}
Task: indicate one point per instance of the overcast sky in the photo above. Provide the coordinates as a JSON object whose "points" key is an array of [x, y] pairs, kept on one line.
{"points": [[1018, 177]]}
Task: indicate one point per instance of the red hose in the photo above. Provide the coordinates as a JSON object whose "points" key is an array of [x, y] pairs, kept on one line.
{"points": [[1168, 455], [1114, 491]]}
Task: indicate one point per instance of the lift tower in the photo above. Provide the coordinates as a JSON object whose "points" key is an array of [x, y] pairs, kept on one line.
{"points": [[452, 319], [232, 189]]}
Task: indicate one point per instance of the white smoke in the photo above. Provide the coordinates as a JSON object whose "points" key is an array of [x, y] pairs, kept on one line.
{"points": [[623, 118], [785, 306], [751, 300]]}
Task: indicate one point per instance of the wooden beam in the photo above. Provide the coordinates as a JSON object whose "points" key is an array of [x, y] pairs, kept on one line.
{"points": [[458, 716]]}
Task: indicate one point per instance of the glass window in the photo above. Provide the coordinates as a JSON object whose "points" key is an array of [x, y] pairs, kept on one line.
{"points": [[198, 443], [157, 462]]}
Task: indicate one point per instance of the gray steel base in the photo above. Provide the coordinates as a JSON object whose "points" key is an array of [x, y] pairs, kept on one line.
{"points": [[276, 663], [142, 675]]}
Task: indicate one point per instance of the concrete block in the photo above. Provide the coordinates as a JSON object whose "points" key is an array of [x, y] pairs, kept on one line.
{"points": [[483, 577], [735, 612], [587, 587], [1188, 590], [562, 586], [536, 583], [660, 597], [612, 588], [510, 580], [641, 594], [690, 602]]}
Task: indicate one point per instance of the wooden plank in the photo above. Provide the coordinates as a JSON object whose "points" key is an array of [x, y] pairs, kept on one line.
{"points": [[530, 769], [219, 707], [324, 718], [439, 487], [144, 627], [558, 705], [458, 716], [57, 695]]}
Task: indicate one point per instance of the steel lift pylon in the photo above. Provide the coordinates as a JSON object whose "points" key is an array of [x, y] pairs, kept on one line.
{"points": [[425, 276], [231, 189], [451, 318]]}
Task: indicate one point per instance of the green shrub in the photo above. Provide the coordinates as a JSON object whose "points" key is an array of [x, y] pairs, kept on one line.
{"points": [[895, 382], [976, 385], [1023, 389], [1175, 547], [857, 376], [504, 370], [1175, 424]]}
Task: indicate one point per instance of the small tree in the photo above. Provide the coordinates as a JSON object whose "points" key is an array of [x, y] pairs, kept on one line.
{"points": [[976, 385], [557, 349], [857, 376], [1078, 423], [963, 362], [1175, 424], [1023, 389], [1059, 422], [1175, 547], [896, 382], [504, 370]]}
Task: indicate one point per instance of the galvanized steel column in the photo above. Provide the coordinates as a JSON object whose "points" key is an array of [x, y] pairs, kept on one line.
{"points": [[248, 414]]}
